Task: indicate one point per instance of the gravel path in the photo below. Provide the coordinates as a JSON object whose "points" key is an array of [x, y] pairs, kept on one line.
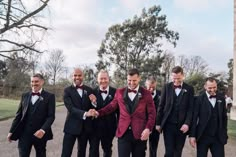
{"points": [[54, 146]]}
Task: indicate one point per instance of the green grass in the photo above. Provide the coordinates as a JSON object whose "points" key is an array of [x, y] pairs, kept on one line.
{"points": [[8, 108], [232, 128]]}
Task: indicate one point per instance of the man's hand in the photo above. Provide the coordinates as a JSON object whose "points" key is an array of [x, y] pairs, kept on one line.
{"points": [[192, 142], [92, 113], [9, 136], [39, 134], [145, 134], [184, 128], [158, 128], [93, 98]]}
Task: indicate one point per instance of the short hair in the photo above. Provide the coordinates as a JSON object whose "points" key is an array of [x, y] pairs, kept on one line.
{"points": [[151, 79], [103, 71], [177, 69], [133, 71], [210, 79], [39, 76]]}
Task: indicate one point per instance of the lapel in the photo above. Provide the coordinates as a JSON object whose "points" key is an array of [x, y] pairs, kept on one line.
{"points": [[208, 103], [126, 97], [172, 93], [136, 99], [39, 101], [99, 97], [76, 94], [182, 92], [27, 103], [218, 104], [84, 95]]}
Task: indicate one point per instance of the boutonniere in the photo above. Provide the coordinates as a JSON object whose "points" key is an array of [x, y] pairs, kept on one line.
{"points": [[184, 91], [85, 92], [219, 101], [110, 97], [40, 98], [139, 95]]}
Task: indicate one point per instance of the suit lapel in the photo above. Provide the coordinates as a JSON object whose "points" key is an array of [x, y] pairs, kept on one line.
{"points": [[136, 99], [208, 103], [28, 101], [172, 93], [181, 94], [125, 97]]}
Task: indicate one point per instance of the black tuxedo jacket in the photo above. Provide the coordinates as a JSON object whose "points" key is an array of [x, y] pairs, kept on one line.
{"points": [[156, 100], [106, 124], [167, 101], [76, 107], [202, 113], [43, 116]]}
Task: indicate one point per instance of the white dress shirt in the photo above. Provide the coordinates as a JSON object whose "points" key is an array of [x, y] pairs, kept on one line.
{"points": [[34, 98]]}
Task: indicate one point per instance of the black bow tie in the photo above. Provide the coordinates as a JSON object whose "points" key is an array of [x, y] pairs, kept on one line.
{"points": [[179, 86], [79, 87], [103, 91], [152, 93], [132, 90], [33, 94], [212, 96]]}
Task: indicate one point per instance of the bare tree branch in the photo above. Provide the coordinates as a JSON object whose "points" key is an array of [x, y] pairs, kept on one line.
{"points": [[21, 45], [21, 21]]}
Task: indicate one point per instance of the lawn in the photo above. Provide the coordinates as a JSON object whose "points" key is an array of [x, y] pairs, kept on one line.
{"points": [[232, 128], [8, 108]]}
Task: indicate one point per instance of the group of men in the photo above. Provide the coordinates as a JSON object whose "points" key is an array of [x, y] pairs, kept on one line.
{"points": [[133, 113]]}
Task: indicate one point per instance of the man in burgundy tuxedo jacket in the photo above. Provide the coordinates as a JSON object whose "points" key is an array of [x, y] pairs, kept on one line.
{"points": [[136, 116]]}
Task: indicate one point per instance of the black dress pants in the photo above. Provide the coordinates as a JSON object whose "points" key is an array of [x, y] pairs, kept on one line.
{"points": [[174, 140], [127, 145]]}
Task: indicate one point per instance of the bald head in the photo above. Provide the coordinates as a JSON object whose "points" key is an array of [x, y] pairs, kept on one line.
{"points": [[78, 76]]}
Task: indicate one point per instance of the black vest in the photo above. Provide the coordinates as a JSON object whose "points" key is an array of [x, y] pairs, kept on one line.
{"points": [[174, 114], [130, 104], [212, 125], [29, 117]]}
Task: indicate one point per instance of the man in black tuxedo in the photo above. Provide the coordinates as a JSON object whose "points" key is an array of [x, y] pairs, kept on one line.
{"points": [[105, 126], [174, 113], [151, 85], [78, 124], [209, 128], [33, 120]]}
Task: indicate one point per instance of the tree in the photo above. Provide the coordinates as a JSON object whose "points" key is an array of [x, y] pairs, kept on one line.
{"points": [[230, 73], [134, 42], [18, 77], [20, 26], [3, 70], [167, 65], [55, 65], [192, 65]]}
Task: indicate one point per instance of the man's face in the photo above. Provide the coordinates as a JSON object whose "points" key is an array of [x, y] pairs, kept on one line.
{"points": [[36, 84], [151, 86], [133, 81], [103, 80], [177, 78], [78, 77], [211, 87]]}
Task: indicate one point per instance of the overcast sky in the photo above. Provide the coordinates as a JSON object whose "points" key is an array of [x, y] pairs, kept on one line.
{"points": [[205, 27]]}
